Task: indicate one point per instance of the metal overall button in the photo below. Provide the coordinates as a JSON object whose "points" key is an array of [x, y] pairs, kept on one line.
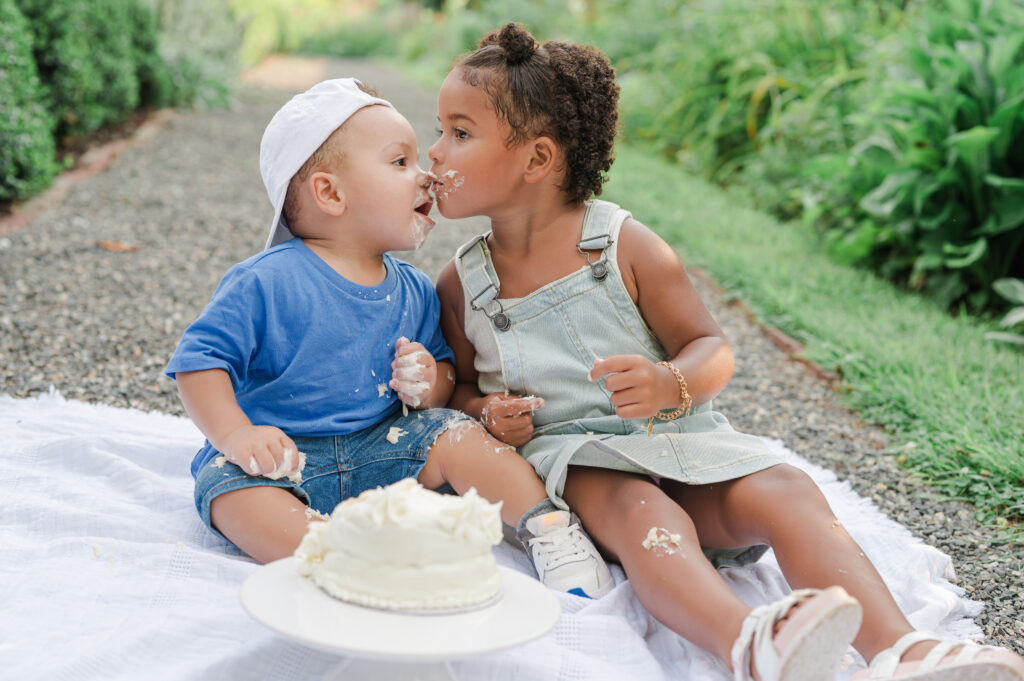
{"points": [[501, 321], [499, 318], [599, 269]]}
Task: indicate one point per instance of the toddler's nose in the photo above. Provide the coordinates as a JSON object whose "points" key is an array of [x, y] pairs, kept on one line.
{"points": [[424, 179]]}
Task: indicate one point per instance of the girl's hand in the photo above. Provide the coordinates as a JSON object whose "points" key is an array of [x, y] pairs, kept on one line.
{"points": [[413, 372], [262, 450], [639, 387], [510, 417]]}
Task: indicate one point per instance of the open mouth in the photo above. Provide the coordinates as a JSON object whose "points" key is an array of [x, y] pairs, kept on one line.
{"points": [[424, 207]]}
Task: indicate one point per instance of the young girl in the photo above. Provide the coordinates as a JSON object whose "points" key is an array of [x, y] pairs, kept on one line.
{"points": [[575, 302]]}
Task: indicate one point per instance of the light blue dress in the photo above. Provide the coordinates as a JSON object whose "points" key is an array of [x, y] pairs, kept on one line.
{"points": [[545, 344]]}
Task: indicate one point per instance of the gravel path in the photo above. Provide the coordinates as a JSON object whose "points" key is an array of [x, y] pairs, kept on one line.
{"points": [[100, 324]]}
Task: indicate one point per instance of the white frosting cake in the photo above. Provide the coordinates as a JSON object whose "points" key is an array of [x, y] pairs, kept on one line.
{"points": [[405, 547]]}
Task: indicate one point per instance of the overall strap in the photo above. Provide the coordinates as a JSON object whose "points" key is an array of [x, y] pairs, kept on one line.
{"points": [[480, 281], [598, 226]]}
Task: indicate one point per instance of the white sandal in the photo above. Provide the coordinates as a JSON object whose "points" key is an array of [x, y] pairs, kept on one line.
{"points": [[972, 662], [809, 645]]}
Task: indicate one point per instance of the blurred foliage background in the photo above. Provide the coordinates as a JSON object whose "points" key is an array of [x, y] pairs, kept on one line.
{"points": [[894, 127]]}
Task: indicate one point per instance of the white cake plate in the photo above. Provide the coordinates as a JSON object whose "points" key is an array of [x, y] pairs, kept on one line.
{"points": [[388, 645]]}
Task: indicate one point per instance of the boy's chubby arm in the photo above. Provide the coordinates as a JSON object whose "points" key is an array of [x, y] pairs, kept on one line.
{"points": [[506, 416], [658, 283], [210, 402]]}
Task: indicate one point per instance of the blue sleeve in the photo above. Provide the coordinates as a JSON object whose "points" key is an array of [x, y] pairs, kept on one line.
{"points": [[227, 334]]}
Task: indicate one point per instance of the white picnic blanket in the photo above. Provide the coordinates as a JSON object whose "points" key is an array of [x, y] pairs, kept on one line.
{"points": [[107, 573]]}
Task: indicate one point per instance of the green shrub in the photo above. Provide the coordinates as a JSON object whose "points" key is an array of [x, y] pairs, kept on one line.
{"points": [[337, 27], [723, 78], [155, 83], [370, 35], [939, 165], [83, 50], [441, 38], [198, 45], [26, 127], [1013, 291], [68, 67]]}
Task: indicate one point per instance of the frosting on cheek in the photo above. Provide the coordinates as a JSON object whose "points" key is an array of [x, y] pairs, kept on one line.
{"points": [[419, 234], [449, 182]]}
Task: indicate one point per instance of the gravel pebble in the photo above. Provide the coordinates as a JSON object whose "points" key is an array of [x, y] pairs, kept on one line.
{"points": [[100, 324]]}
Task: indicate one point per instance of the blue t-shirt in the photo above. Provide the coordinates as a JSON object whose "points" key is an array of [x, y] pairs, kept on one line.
{"points": [[307, 350]]}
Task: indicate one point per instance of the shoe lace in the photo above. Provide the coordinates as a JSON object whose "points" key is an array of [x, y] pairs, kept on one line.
{"points": [[561, 545]]}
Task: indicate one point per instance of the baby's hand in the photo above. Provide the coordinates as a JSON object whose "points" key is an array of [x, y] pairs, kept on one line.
{"points": [[639, 387], [510, 417], [413, 372], [263, 450]]}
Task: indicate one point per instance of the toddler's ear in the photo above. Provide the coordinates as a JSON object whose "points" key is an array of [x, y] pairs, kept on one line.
{"points": [[542, 158], [327, 193]]}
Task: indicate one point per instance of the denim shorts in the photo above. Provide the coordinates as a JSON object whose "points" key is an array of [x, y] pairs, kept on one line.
{"points": [[340, 466]]}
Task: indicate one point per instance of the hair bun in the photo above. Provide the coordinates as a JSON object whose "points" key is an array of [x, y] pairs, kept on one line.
{"points": [[517, 42]]}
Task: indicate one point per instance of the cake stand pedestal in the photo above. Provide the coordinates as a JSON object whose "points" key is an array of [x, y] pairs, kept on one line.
{"points": [[385, 645]]}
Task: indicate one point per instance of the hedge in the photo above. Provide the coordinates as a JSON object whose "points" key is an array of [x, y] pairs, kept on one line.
{"points": [[70, 67], [83, 49], [26, 127]]}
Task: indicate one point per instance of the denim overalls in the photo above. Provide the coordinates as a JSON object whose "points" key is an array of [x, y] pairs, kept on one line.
{"points": [[546, 343]]}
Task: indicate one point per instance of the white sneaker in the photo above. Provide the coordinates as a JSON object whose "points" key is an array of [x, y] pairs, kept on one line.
{"points": [[563, 555]]}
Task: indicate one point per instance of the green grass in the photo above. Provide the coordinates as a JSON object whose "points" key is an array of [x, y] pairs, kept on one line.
{"points": [[952, 401]]}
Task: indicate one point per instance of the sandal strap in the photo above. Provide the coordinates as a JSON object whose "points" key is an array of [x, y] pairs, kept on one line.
{"points": [[935, 655], [757, 635], [885, 663], [970, 651]]}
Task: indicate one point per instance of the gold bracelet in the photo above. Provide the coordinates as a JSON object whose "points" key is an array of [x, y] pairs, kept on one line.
{"points": [[684, 397]]}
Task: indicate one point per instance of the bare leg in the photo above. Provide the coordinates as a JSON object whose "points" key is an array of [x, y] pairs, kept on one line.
{"points": [[467, 456], [266, 522], [783, 507], [682, 590]]}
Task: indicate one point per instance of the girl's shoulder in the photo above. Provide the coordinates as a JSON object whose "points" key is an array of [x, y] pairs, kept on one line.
{"points": [[643, 255], [449, 287]]}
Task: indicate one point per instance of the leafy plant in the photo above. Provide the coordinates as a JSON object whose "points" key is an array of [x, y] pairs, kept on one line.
{"points": [[719, 81], [1013, 291], [939, 170], [84, 54], [26, 127], [155, 86], [272, 26], [198, 46]]}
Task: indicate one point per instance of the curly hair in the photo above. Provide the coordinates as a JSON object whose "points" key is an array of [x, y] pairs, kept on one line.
{"points": [[564, 91]]}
